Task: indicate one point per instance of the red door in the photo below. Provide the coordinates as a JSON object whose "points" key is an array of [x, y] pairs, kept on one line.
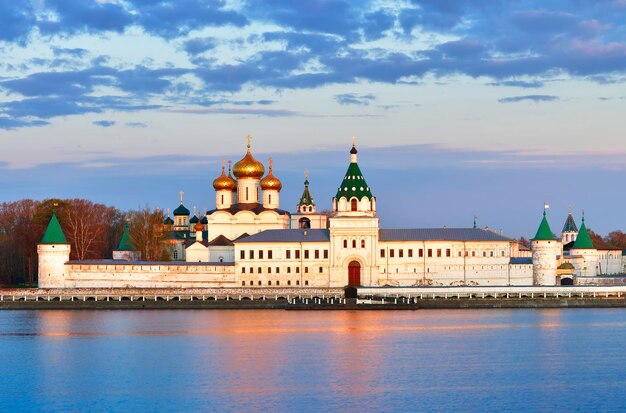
{"points": [[354, 273]]}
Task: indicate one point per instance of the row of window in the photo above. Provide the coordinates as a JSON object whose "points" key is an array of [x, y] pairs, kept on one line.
{"points": [[430, 252], [288, 254], [451, 268], [354, 243], [259, 270], [269, 283]]}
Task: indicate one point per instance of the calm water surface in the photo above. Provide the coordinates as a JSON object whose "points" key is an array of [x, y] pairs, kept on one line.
{"points": [[252, 360]]}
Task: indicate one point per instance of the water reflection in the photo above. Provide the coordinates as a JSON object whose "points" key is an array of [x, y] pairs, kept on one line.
{"points": [[359, 361]]}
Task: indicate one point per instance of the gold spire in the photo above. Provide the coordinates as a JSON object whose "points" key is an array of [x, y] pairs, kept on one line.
{"points": [[224, 182]]}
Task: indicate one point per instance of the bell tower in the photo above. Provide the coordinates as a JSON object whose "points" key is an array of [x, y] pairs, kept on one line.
{"points": [[354, 229]]}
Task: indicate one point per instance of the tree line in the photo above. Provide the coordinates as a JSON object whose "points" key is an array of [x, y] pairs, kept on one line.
{"points": [[92, 229]]}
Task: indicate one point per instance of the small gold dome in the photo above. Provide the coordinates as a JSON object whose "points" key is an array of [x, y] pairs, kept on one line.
{"points": [[248, 167], [225, 182], [199, 226], [270, 181]]}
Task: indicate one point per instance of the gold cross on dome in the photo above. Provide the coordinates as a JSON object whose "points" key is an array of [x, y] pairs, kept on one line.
{"points": [[181, 197], [249, 138], [271, 163], [353, 140]]}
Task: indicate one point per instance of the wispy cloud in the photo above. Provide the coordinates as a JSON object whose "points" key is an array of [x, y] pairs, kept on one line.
{"points": [[104, 123], [136, 125], [354, 99], [531, 98]]}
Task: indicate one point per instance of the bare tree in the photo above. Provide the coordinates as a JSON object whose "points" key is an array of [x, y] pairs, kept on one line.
{"points": [[146, 233]]}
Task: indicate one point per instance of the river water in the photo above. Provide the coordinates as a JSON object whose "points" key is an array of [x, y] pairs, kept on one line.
{"points": [[256, 360]]}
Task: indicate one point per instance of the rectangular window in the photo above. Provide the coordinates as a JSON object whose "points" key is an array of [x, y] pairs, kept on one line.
{"points": [[243, 270], [400, 253], [473, 253], [430, 252], [297, 254], [410, 253], [297, 270], [251, 254], [325, 254], [270, 255], [321, 269], [448, 252], [288, 254], [260, 254], [421, 252], [288, 282], [277, 270], [438, 252], [306, 254], [306, 282], [288, 270], [242, 254], [259, 270], [251, 270], [297, 282], [317, 254], [391, 253], [382, 253], [306, 270], [491, 253], [269, 283], [277, 282]]}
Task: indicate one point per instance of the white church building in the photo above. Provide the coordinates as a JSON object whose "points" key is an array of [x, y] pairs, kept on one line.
{"points": [[249, 241]]}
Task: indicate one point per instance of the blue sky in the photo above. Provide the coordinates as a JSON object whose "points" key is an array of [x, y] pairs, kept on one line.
{"points": [[461, 107]]}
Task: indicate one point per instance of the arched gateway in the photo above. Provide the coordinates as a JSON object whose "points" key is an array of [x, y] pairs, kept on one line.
{"points": [[354, 273]]}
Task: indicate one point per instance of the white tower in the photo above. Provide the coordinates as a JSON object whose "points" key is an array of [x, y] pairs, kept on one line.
{"points": [[570, 230], [53, 252], [354, 231], [587, 254], [545, 249]]}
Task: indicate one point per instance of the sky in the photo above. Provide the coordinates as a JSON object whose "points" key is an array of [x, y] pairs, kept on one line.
{"points": [[461, 108]]}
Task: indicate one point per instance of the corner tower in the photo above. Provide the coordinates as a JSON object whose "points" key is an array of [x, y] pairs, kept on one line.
{"points": [[545, 249], [53, 252], [587, 253], [354, 231]]}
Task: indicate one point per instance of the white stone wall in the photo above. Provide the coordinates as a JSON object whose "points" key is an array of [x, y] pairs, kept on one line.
{"points": [[197, 252], [282, 264], [271, 199], [585, 262], [222, 253], [223, 198], [147, 275], [248, 190], [52, 259]]}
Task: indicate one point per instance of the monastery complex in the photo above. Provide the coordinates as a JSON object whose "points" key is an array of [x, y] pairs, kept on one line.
{"points": [[249, 241]]}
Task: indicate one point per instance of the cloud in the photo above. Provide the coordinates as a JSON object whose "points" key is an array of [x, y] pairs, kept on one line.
{"points": [[199, 45], [104, 123], [354, 99], [518, 83], [136, 125], [8, 123], [237, 111], [532, 98]]}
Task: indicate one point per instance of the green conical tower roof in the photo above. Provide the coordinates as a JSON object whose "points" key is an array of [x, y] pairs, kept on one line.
{"points": [[125, 243], [583, 240], [544, 233], [353, 184], [54, 234], [306, 198]]}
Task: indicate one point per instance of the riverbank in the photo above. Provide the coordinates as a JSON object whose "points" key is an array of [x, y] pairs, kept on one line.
{"points": [[326, 299]]}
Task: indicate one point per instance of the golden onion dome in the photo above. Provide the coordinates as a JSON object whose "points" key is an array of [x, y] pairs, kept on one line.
{"points": [[270, 181], [199, 227], [248, 167], [225, 182]]}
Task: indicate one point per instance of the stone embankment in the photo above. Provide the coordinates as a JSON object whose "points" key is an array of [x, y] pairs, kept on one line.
{"points": [[362, 298]]}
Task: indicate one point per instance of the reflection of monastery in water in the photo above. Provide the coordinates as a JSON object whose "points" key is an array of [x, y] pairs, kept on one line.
{"points": [[247, 240]]}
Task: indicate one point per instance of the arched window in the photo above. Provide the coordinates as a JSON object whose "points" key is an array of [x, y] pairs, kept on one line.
{"points": [[304, 223], [269, 199], [345, 243], [362, 243], [175, 254], [353, 243], [310, 209], [353, 204], [247, 192], [222, 199]]}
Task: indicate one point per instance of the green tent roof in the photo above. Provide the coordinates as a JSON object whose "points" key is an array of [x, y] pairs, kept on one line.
{"points": [[570, 225], [306, 198], [353, 184], [168, 221], [125, 242], [583, 240], [544, 233], [54, 234]]}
